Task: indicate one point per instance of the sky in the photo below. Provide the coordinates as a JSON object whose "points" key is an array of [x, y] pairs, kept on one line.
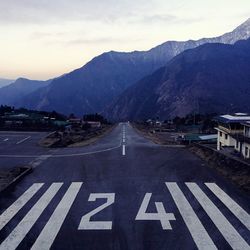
{"points": [[47, 38]]}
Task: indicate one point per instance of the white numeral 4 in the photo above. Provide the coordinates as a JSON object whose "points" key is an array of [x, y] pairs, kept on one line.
{"points": [[86, 224], [161, 214]]}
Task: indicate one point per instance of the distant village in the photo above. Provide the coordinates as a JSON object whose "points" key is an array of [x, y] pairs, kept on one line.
{"points": [[228, 134], [24, 119]]}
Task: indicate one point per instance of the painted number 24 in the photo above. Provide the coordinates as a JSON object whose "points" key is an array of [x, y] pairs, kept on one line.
{"points": [[142, 214]]}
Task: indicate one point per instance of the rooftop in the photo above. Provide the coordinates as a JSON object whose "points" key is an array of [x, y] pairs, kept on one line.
{"points": [[234, 118], [247, 123]]}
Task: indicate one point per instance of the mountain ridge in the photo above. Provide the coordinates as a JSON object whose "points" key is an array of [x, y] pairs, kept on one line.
{"points": [[95, 85], [5, 82], [201, 80], [15, 91]]}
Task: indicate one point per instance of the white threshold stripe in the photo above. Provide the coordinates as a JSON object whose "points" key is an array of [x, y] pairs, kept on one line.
{"points": [[20, 231], [196, 229], [227, 230], [11, 211], [23, 140], [238, 211], [123, 150], [50, 231]]}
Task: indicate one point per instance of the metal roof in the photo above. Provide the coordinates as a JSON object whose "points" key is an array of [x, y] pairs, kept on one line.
{"points": [[209, 137], [235, 118], [247, 123]]}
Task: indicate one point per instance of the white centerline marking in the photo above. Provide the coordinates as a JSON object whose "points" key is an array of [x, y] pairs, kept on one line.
{"points": [[197, 230], [50, 231], [238, 211], [20, 231], [123, 141], [123, 150], [11, 211], [6, 139], [23, 140], [220, 221]]}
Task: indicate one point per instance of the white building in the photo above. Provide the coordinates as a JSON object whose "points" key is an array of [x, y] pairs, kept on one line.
{"points": [[243, 141], [229, 129]]}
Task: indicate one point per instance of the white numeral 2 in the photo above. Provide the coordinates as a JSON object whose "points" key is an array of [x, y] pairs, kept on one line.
{"points": [[161, 214], [86, 224]]}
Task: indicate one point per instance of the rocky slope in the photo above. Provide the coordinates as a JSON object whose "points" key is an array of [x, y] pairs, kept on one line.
{"points": [[209, 78]]}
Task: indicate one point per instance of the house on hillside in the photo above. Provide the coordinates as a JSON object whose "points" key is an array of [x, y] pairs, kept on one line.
{"points": [[233, 132]]}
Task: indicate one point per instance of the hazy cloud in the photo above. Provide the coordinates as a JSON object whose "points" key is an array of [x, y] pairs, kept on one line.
{"points": [[99, 41], [60, 35], [46, 35], [54, 11], [164, 18]]}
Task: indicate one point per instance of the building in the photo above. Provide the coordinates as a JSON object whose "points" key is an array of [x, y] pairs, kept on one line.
{"points": [[75, 122], [153, 122], [201, 138], [231, 131], [93, 124], [243, 141]]}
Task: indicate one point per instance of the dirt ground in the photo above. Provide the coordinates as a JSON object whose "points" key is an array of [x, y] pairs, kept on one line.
{"points": [[236, 171], [162, 138], [75, 139], [9, 175]]}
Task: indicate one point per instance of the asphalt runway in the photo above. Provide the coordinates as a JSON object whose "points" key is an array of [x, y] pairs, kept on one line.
{"points": [[124, 192]]}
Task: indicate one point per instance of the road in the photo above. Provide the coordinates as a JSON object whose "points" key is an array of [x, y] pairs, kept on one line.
{"points": [[124, 192]]}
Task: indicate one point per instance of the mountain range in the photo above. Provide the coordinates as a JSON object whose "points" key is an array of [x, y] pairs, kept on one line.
{"points": [[210, 78], [5, 82], [104, 83], [16, 91]]}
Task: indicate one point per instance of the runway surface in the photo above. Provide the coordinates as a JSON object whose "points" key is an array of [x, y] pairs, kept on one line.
{"points": [[124, 192]]}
